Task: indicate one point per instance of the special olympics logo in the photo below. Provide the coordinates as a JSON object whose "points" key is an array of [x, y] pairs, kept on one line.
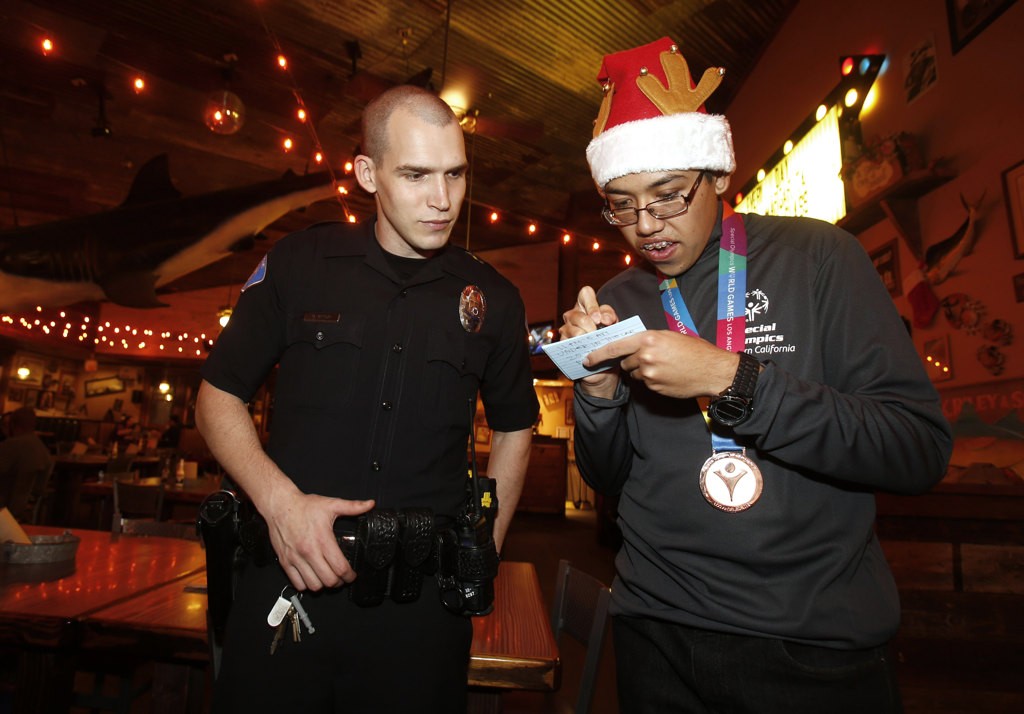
{"points": [[757, 304]]}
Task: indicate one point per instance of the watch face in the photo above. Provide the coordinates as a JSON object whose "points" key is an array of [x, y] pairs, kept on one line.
{"points": [[729, 410]]}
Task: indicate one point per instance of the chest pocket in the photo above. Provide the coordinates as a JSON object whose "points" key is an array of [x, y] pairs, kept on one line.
{"points": [[455, 362], [318, 369]]}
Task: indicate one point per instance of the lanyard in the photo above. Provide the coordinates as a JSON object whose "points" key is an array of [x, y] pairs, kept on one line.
{"points": [[732, 290]]}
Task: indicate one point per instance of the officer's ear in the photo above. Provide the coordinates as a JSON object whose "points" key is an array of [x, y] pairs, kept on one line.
{"points": [[365, 172]]}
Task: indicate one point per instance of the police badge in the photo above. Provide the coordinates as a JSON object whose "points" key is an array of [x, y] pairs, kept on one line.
{"points": [[472, 308]]}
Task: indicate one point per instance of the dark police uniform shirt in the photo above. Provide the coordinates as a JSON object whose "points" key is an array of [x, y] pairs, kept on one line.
{"points": [[377, 376]]}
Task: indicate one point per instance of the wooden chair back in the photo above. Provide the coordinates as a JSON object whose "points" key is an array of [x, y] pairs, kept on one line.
{"points": [[580, 610]]}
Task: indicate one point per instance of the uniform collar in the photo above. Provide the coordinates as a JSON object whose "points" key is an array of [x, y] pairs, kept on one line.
{"points": [[361, 240]]}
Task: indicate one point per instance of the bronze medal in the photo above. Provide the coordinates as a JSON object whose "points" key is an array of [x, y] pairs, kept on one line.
{"points": [[472, 308], [730, 481]]}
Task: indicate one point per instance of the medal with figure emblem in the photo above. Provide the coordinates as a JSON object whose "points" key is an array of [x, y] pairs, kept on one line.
{"points": [[730, 481]]}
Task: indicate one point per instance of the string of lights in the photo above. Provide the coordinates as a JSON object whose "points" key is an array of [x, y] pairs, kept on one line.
{"points": [[90, 333]]}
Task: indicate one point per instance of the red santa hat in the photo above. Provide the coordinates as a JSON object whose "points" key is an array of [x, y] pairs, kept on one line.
{"points": [[652, 117]]}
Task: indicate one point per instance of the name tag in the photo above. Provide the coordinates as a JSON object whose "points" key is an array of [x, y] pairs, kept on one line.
{"points": [[321, 317]]}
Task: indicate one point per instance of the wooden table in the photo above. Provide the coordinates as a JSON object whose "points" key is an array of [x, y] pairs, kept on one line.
{"points": [[41, 617], [181, 500], [71, 472], [513, 647]]}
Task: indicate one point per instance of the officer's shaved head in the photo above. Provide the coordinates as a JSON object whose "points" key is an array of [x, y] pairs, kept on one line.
{"points": [[423, 104]]}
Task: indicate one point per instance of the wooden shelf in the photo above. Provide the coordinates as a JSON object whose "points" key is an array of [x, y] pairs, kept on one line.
{"points": [[898, 203]]}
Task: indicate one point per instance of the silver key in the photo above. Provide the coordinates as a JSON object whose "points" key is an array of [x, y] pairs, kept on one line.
{"points": [[278, 637], [296, 627]]}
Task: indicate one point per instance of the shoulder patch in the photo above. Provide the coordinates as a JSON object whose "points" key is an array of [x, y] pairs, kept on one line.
{"points": [[257, 275]]}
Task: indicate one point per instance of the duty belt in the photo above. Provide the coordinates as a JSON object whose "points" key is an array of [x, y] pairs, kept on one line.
{"points": [[390, 551]]}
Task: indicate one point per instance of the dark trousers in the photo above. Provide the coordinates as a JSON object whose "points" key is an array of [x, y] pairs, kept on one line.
{"points": [[385, 659], [663, 667]]}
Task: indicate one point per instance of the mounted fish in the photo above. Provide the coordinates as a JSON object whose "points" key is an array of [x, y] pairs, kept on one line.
{"points": [[942, 258], [150, 240]]}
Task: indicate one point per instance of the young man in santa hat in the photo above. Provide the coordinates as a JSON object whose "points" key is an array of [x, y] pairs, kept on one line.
{"points": [[750, 578]]}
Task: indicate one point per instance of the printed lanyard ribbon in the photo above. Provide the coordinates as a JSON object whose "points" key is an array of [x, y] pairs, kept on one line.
{"points": [[732, 291]]}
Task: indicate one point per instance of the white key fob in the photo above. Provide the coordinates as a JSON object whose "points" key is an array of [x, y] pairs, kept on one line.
{"points": [[276, 615]]}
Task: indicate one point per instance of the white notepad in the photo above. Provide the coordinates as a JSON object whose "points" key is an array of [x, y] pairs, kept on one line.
{"points": [[568, 354]]}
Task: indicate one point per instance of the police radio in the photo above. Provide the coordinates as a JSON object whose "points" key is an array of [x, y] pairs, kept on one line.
{"points": [[468, 556]]}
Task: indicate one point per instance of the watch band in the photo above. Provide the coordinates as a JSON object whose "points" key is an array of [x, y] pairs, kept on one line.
{"points": [[735, 404], [745, 381]]}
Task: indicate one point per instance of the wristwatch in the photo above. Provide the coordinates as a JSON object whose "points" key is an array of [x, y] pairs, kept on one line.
{"points": [[733, 406]]}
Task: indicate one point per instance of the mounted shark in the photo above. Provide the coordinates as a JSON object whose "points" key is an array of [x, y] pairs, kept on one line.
{"points": [[942, 258], [151, 239]]}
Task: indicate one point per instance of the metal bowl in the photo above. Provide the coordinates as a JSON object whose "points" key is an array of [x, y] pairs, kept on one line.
{"points": [[43, 549]]}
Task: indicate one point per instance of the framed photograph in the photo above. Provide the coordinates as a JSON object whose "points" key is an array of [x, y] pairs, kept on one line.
{"points": [[482, 435], [967, 18], [103, 385], [887, 263], [570, 415], [1013, 189], [1018, 288], [34, 375], [17, 394]]}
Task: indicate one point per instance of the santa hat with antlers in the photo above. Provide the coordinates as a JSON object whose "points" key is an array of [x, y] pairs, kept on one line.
{"points": [[652, 117]]}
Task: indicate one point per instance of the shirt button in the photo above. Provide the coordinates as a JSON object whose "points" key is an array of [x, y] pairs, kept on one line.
{"points": [[375, 466], [397, 347], [404, 293], [386, 406], [320, 336]]}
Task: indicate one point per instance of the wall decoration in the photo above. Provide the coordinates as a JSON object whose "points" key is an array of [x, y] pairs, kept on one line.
{"points": [[1013, 189], [963, 313], [570, 415], [550, 399], [1018, 287], [886, 261], [482, 435], [920, 71], [941, 259], [992, 359], [16, 394], [988, 432], [937, 357], [104, 385], [967, 18], [35, 368]]}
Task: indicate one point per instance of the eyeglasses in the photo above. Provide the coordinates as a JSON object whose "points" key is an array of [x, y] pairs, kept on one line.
{"points": [[661, 209]]}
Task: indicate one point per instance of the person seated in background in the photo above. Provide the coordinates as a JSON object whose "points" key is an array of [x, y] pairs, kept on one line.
{"points": [[25, 464], [172, 434]]}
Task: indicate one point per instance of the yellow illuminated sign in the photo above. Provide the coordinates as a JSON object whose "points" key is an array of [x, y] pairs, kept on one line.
{"points": [[806, 182]]}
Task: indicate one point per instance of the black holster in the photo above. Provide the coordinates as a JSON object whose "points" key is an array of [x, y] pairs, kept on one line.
{"points": [[468, 558], [219, 524]]}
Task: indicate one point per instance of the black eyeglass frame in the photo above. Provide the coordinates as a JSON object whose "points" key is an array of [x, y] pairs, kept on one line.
{"points": [[609, 213]]}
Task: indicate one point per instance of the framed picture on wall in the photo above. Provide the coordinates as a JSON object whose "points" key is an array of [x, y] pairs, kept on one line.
{"points": [[967, 18], [103, 385], [570, 416], [482, 435], [886, 260], [1013, 190]]}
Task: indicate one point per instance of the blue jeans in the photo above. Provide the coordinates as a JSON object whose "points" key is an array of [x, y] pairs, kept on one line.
{"points": [[664, 667]]}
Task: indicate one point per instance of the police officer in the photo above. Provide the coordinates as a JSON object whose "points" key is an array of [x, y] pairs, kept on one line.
{"points": [[383, 334]]}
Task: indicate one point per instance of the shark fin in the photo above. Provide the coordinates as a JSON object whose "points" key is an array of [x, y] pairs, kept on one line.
{"points": [[152, 183], [132, 289]]}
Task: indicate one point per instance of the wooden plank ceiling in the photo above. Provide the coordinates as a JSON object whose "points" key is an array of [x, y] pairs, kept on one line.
{"points": [[526, 66]]}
